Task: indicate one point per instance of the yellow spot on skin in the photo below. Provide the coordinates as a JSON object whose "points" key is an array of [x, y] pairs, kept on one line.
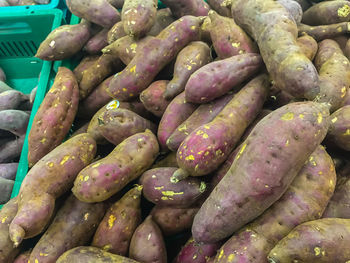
{"points": [[64, 160], [189, 67], [133, 69], [159, 187], [343, 92], [236, 44], [319, 117], [124, 89], [334, 119], [43, 140], [50, 164], [206, 153], [347, 132], [196, 167], [301, 116], [287, 143], [344, 11], [331, 183], [199, 132], [221, 254], [320, 172], [241, 151], [193, 27], [111, 220], [288, 116], [182, 128], [36, 261], [206, 127], [96, 165], [190, 157], [219, 152], [43, 254], [133, 47], [86, 216], [4, 220], [205, 136], [171, 193], [317, 251], [231, 257], [86, 178]]}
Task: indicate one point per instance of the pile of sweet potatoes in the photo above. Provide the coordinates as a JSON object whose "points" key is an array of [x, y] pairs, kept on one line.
{"points": [[203, 132]]}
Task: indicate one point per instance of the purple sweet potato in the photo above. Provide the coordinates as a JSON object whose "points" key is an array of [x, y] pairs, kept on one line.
{"points": [[14, 121], [64, 41], [194, 252], [160, 189], [219, 77], [98, 11], [339, 129], [139, 16], [320, 33], [102, 179], [153, 97], [180, 8], [23, 257], [118, 225], [202, 115], [97, 42], [222, 7], [324, 240], [42, 185], [228, 38], [305, 200], [164, 18], [118, 124], [266, 164], [308, 46], [175, 114], [194, 56], [173, 220], [91, 255], [209, 145], [142, 69], [11, 150], [116, 32], [327, 12], [258, 118], [290, 69], [2, 75], [8, 170], [11, 99], [147, 244], [73, 225], [54, 116]]}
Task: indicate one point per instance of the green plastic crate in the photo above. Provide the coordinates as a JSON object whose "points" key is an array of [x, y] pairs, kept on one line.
{"points": [[20, 36]]}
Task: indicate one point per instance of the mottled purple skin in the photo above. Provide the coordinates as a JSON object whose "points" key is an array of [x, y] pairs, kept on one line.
{"points": [[97, 42], [142, 69], [118, 225], [290, 69], [11, 99], [278, 147], [305, 200], [202, 115], [153, 98], [180, 8], [173, 220], [116, 32], [98, 11], [104, 178], [139, 16], [320, 33], [73, 225], [308, 46], [222, 7], [176, 113], [147, 244], [64, 42], [105, 66], [339, 129], [326, 13], [118, 124], [164, 18], [261, 115], [193, 252], [7, 213], [11, 149], [42, 185], [85, 63], [23, 257], [8, 170], [2, 75], [219, 77], [228, 38], [14, 121], [324, 240], [54, 117], [194, 56], [159, 189], [208, 146]]}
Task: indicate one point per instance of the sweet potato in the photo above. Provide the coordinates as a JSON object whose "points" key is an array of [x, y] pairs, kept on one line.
{"points": [[11, 99], [32, 95], [118, 124], [116, 32], [293, 8], [222, 7], [334, 71], [23, 257], [139, 16], [164, 18], [99, 11], [323, 240], [11, 149], [142, 69], [105, 66], [266, 164], [6, 186], [42, 186], [118, 225], [8, 170], [160, 189], [219, 77], [339, 129], [320, 33], [228, 38], [305, 200], [193, 252], [202, 115], [290, 69], [64, 41], [91, 255], [327, 12], [153, 97], [209, 145], [14, 121], [73, 225], [173, 220], [102, 179], [308, 46], [194, 56], [97, 42], [147, 244], [180, 8], [7, 213], [2, 75], [54, 116], [175, 114]]}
